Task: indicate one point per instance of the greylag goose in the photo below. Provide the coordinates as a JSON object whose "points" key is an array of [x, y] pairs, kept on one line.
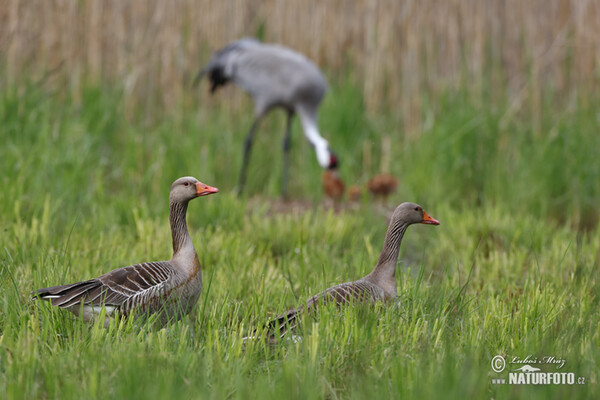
{"points": [[274, 76], [379, 285], [170, 288]]}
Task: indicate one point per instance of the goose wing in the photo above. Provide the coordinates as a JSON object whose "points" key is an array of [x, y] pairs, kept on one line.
{"points": [[350, 292], [358, 292], [130, 285]]}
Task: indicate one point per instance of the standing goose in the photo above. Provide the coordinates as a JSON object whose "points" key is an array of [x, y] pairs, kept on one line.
{"points": [[170, 288], [379, 285], [274, 76]]}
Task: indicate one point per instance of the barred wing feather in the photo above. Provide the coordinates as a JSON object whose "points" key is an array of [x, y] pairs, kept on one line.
{"points": [[360, 291], [125, 288]]}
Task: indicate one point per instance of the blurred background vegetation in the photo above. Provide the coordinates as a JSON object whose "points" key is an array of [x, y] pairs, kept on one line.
{"points": [[472, 101], [401, 56]]}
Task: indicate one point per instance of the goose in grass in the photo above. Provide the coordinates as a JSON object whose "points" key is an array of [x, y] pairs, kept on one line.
{"points": [[377, 286], [170, 288], [275, 77]]}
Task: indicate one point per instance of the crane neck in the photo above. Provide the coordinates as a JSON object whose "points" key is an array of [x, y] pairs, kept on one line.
{"points": [[311, 132]]}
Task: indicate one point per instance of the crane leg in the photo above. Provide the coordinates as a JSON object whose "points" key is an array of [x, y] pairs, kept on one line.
{"points": [[287, 141], [247, 148]]}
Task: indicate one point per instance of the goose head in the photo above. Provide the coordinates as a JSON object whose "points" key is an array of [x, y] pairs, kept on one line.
{"points": [[188, 188], [411, 213]]}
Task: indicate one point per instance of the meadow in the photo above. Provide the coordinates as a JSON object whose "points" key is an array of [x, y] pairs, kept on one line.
{"points": [[511, 270], [487, 113]]}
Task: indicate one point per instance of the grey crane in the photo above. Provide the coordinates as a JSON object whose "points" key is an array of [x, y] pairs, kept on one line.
{"points": [[274, 76]]}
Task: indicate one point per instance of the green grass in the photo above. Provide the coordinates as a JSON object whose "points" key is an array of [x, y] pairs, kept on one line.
{"points": [[512, 269]]}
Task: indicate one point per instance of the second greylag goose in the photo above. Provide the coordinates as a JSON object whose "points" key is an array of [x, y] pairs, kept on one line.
{"points": [[170, 288], [379, 285]]}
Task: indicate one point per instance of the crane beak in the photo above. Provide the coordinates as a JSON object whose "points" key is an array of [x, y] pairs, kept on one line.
{"points": [[203, 190], [428, 220]]}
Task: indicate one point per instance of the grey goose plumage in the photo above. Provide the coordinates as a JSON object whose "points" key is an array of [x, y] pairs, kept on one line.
{"points": [[170, 288], [377, 286]]}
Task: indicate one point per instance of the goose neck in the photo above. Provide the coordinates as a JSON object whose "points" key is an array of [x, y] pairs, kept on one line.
{"points": [[385, 269], [179, 230]]}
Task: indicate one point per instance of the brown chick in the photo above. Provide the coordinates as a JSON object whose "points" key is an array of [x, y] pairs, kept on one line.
{"points": [[382, 185], [333, 185], [354, 193]]}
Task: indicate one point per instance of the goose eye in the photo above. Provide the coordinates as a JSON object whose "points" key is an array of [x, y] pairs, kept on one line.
{"points": [[417, 208], [186, 184]]}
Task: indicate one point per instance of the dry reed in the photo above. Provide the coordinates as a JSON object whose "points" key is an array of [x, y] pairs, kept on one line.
{"points": [[397, 52]]}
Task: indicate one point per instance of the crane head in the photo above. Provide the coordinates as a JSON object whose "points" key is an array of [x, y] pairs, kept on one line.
{"points": [[333, 161]]}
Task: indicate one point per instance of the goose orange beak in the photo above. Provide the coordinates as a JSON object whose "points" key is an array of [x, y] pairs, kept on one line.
{"points": [[428, 220], [203, 190]]}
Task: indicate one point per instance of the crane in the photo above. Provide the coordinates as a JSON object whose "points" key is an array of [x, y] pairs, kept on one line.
{"points": [[274, 76]]}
